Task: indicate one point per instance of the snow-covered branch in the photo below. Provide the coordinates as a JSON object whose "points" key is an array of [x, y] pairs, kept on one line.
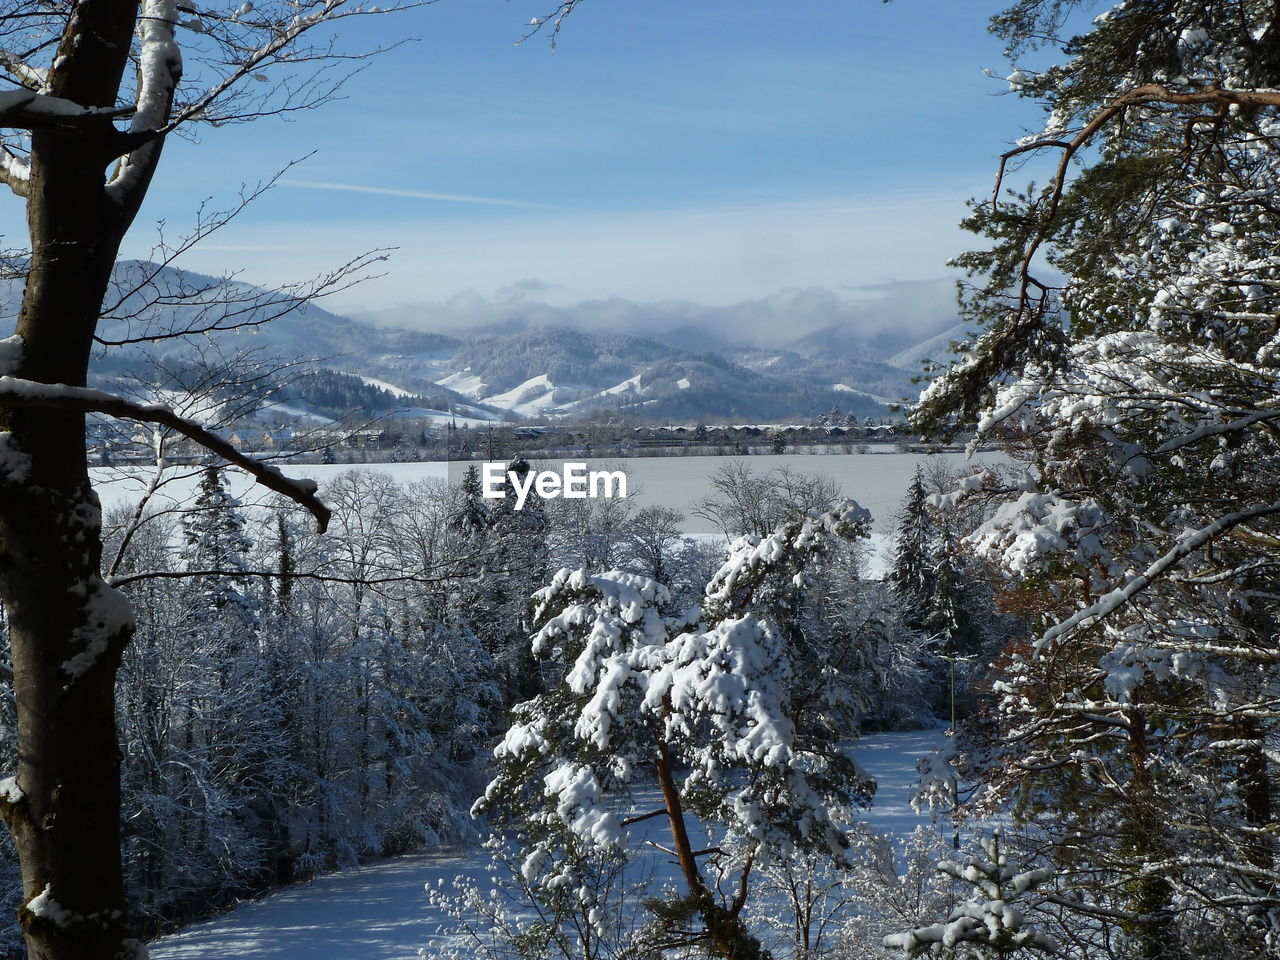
{"points": [[34, 78], [28, 110], [15, 172], [16, 392], [159, 70], [1187, 545]]}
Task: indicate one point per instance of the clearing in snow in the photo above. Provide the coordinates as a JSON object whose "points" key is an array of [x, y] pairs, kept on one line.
{"points": [[379, 911]]}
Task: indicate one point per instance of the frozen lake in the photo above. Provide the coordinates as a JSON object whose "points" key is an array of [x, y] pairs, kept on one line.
{"points": [[878, 481]]}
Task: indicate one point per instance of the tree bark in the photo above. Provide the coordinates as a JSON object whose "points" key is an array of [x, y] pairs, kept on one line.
{"points": [[67, 627], [727, 936]]}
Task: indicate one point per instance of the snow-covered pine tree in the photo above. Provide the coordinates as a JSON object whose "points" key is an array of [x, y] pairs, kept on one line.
{"points": [[991, 927], [1140, 726], [473, 515], [215, 549], [700, 700], [911, 574]]}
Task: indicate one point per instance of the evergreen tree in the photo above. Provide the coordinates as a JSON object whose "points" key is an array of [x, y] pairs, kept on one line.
{"points": [[516, 563], [912, 574], [711, 702], [993, 927], [215, 547], [285, 568], [1136, 729], [474, 516]]}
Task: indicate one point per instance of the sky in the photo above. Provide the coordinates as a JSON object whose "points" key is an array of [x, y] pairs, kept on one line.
{"points": [[716, 151]]}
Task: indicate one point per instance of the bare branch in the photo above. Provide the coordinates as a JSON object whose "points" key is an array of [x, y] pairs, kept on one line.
{"points": [[277, 575], [27, 110], [15, 392], [644, 816]]}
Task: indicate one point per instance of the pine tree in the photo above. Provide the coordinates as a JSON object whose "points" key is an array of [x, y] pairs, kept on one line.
{"points": [[1141, 534], [704, 701], [474, 516], [912, 574], [215, 547], [285, 568], [517, 560], [994, 926]]}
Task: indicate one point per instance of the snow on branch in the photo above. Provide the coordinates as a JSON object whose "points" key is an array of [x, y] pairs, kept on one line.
{"points": [[1146, 94], [1188, 545], [995, 919], [29, 76], [1030, 298], [28, 110], [15, 392], [552, 22], [15, 172], [159, 70]]}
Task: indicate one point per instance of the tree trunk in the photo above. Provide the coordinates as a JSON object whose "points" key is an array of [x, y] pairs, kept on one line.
{"points": [[68, 628], [67, 633], [1151, 896], [727, 936]]}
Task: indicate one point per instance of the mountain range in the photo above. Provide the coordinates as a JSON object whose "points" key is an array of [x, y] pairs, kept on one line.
{"points": [[765, 361]]}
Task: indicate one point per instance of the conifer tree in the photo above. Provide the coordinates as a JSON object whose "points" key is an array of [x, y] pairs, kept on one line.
{"points": [[215, 546], [709, 701], [1136, 728], [912, 574], [992, 926]]}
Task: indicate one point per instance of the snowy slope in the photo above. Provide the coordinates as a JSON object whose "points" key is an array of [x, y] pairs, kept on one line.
{"points": [[379, 912], [529, 399], [465, 383], [391, 388], [845, 388], [936, 348]]}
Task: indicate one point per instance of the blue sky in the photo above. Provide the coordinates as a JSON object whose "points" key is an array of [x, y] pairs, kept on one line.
{"points": [[714, 150]]}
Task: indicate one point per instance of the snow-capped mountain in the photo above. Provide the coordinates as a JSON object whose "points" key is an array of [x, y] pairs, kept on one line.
{"points": [[520, 372], [559, 371]]}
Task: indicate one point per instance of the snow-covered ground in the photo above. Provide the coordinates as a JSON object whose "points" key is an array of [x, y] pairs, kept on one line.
{"points": [[379, 912]]}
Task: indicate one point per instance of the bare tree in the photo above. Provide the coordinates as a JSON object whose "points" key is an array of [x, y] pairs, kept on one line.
{"points": [[747, 503], [98, 89], [653, 536]]}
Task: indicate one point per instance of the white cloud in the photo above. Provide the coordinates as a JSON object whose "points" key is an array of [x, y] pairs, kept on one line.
{"points": [[712, 256]]}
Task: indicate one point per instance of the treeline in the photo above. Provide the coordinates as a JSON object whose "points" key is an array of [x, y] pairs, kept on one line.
{"points": [[343, 395], [292, 703]]}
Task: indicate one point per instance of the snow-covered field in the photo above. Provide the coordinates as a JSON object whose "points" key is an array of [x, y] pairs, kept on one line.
{"points": [[379, 911]]}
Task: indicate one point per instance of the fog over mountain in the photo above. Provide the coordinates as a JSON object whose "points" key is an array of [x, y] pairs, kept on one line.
{"points": [[874, 322], [795, 354]]}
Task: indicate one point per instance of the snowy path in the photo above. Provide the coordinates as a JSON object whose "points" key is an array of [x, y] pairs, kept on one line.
{"points": [[378, 911], [891, 759]]}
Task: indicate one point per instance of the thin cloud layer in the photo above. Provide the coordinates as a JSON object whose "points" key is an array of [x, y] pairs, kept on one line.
{"points": [[889, 313], [410, 194]]}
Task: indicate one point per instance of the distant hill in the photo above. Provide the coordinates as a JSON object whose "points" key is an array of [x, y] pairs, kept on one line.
{"points": [[935, 348], [559, 371], [527, 366]]}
